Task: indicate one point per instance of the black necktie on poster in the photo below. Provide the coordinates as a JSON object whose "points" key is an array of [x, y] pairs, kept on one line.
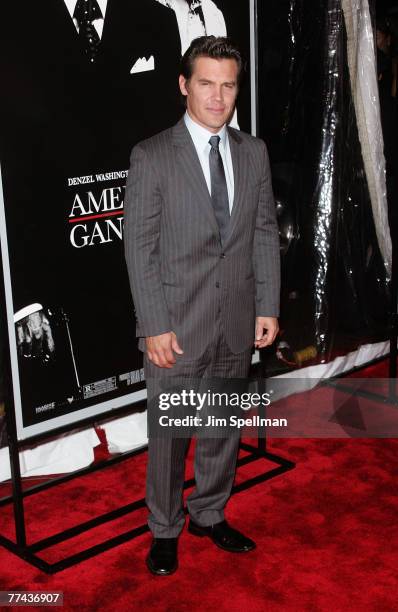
{"points": [[196, 9], [87, 11], [219, 191]]}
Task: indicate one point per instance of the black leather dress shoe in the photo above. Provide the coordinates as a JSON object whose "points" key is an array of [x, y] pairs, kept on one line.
{"points": [[162, 557], [223, 536]]}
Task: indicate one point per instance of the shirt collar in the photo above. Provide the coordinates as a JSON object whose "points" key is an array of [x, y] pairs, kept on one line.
{"points": [[71, 4], [201, 135]]}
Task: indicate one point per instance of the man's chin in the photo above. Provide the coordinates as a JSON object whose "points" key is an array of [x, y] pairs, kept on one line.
{"points": [[211, 122], [217, 125]]}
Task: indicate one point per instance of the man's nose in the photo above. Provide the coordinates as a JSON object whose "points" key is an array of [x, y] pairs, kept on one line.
{"points": [[218, 92]]}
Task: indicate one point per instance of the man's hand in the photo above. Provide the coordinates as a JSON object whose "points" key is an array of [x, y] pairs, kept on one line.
{"points": [[160, 349], [271, 327]]}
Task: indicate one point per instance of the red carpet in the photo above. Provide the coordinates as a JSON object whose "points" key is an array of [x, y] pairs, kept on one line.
{"points": [[326, 533]]}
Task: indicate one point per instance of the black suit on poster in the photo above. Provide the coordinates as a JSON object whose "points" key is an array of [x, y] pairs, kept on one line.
{"points": [[51, 75], [62, 117]]}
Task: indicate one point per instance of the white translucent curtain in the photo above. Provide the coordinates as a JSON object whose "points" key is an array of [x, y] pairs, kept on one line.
{"points": [[363, 77]]}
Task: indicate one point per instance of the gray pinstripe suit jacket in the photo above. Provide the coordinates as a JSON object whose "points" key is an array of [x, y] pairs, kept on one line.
{"points": [[181, 277]]}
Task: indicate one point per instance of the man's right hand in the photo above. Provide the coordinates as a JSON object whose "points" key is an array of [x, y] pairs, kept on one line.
{"points": [[160, 349]]}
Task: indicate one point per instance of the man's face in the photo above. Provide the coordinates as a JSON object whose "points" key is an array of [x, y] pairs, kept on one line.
{"points": [[211, 91]]}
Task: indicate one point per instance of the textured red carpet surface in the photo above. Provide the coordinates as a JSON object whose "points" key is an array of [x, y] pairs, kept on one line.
{"points": [[326, 533]]}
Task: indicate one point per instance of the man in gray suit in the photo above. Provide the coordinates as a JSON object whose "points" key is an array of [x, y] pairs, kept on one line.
{"points": [[202, 251]]}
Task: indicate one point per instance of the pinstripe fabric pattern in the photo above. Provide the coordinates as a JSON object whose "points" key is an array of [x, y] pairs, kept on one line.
{"points": [[215, 458], [183, 280], [181, 277]]}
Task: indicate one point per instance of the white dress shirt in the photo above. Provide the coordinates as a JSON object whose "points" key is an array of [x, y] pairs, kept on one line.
{"points": [[97, 23], [200, 137]]}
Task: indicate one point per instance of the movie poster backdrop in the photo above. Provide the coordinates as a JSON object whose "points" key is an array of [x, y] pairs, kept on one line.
{"points": [[68, 125]]}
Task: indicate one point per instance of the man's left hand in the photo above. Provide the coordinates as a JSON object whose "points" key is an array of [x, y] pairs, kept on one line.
{"points": [[266, 331]]}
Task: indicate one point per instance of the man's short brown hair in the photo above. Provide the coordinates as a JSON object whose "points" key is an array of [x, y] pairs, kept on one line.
{"points": [[216, 47]]}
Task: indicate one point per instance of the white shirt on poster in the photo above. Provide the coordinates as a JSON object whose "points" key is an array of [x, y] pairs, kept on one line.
{"points": [[190, 24]]}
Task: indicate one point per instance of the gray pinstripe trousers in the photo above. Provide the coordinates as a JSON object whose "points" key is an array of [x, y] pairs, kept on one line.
{"points": [[215, 458]]}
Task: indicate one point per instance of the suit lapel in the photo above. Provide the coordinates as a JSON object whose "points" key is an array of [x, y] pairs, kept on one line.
{"points": [[240, 167], [113, 19], [190, 166], [62, 27]]}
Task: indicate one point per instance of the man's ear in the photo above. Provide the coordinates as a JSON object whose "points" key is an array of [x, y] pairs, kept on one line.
{"points": [[183, 83]]}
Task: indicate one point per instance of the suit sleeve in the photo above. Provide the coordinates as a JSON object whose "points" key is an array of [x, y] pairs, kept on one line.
{"points": [[266, 252], [142, 209]]}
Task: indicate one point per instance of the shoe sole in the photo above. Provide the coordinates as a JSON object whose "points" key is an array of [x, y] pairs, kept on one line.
{"points": [[159, 573], [196, 532]]}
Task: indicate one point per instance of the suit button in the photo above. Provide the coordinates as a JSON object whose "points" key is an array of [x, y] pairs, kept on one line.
{"points": [[222, 256], [217, 285]]}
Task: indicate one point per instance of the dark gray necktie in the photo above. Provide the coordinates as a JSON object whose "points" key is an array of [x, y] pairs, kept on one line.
{"points": [[219, 191], [87, 11]]}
